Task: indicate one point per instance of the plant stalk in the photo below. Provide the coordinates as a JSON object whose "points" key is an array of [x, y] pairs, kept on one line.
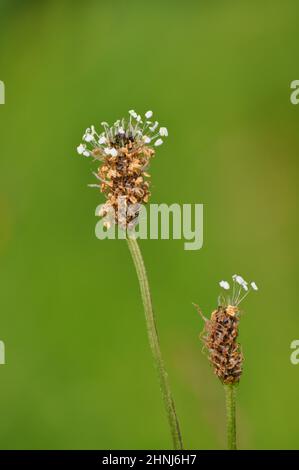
{"points": [[154, 342], [230, 399]]}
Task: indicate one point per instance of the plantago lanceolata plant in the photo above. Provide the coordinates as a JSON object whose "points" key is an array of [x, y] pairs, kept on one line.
{"points": [[220, 336], [124, 151]]}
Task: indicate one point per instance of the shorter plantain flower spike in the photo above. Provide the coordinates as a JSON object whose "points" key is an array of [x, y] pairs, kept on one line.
{"points": [[221, 331], [124, 150]]}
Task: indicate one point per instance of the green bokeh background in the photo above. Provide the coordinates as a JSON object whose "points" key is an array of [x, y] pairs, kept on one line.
{"points": [[79, 372]]}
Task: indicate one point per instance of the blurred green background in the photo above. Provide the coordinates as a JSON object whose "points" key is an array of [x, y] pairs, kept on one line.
{"points": [[79, 372]]}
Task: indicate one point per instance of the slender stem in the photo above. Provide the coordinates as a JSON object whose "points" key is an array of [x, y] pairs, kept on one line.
{"points": [[230, 399], [154, 343]]}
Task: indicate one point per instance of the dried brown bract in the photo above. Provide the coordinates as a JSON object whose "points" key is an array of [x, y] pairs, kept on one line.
{"points": [[124, 178]]}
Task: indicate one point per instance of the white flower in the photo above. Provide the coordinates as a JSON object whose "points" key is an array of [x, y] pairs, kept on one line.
{"points": [[224, 285], [240, 280], [88, 137], [133, 113], [140, 132], [110, 151], [102, 140], [81, 149], [163, 131], [254, 286], [113, 152], [154, 127], [89, 134], [148, 114]]}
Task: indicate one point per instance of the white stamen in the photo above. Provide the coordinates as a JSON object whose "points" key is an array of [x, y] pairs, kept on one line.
{"points": [[142, 131], [224, 285], [154, 127], [133, 113], [240, 280], [254, 286], [88, 137], [148, 114], [113, 152], [102, 140], [163, 131], [80, 149]]}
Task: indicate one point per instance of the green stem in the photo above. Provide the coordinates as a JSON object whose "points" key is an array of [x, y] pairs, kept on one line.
{"points": [[154, 343], [230, 399]]}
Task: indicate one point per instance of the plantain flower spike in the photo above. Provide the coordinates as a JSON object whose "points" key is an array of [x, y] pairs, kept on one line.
{"points": [[124, 151], [220, 333]]}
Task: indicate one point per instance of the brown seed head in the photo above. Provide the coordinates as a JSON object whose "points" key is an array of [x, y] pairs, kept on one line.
{"points": [[220, 340], [123, 178], [124, 150]]}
